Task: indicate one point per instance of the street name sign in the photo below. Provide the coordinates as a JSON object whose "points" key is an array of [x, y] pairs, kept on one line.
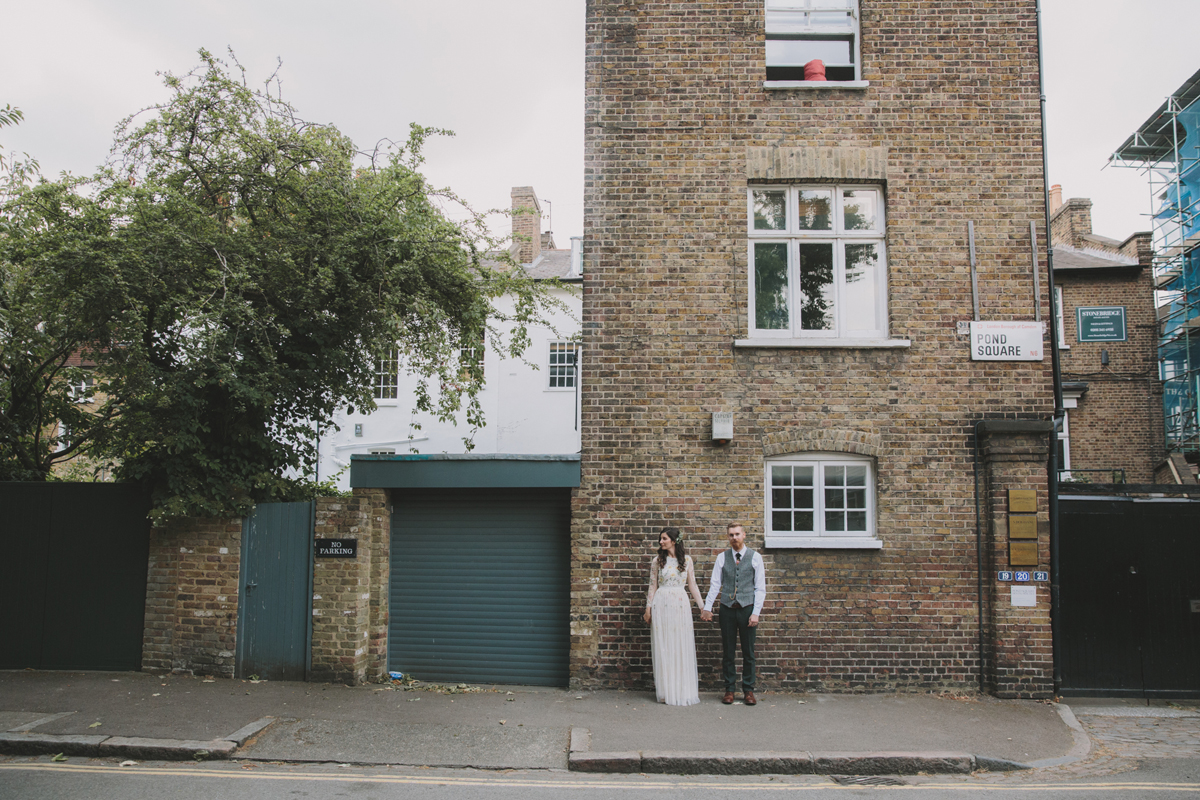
{"points": [[1006, 341]]}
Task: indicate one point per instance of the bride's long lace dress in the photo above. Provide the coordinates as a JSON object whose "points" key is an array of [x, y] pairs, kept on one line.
{"points": [[672, 641]]}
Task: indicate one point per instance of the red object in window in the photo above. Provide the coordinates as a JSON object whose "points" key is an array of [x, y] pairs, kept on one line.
{"points": [[814, 70]]}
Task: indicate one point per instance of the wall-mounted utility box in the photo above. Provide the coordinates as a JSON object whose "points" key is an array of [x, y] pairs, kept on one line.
{"points": [[722, 427]]}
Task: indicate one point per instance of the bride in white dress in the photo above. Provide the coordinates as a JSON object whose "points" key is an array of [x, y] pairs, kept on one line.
{"points": [[672, 642]]}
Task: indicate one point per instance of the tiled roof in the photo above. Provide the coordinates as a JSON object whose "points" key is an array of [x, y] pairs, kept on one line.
{"points": [[1069, 258], [551, 264]]}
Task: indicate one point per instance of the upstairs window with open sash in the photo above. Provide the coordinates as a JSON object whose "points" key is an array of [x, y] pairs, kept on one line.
{"points": [[802, 31]]}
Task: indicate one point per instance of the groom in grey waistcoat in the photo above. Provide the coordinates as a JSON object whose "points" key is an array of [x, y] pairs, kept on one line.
{"points": [[740, 579]]}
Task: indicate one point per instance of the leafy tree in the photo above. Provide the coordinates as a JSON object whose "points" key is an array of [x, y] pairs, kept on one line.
{"points": [[42, 329], [233, 271]]}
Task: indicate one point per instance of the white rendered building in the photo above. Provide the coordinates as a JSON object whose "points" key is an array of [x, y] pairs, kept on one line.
{"points": [[530, 406]]}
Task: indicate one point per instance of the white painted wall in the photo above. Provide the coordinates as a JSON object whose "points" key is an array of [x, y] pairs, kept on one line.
{"points": [[522, 414]]}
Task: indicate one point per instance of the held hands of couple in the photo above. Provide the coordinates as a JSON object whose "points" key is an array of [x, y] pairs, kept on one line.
{"points": [[707, 617]]}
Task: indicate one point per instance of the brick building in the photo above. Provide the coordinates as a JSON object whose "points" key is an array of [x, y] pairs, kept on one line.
{"points": [[798, 248], [1108, 354]]}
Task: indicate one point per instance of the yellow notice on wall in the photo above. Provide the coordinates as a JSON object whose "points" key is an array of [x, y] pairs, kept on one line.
{"points": [[1022, 554], [1022, 501], [1022, 526]]}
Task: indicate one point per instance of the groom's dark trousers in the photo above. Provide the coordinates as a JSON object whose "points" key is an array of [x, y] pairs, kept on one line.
{"points": [[735, 624]]}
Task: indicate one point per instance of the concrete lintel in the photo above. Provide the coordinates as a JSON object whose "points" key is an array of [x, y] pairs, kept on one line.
{"points": [[849, 163], [1015, 427]]}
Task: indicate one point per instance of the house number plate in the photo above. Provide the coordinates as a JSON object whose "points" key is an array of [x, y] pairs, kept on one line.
{"points": [[1006, 576]]}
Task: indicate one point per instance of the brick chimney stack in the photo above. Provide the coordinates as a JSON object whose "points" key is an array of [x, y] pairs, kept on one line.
{"points": [[1071, 222], [526, 224]]}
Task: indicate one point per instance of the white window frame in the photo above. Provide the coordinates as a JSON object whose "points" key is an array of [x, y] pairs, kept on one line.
{"points": [[1063, 435], [561, 376], [1059, 316], [81, 390], [386, 381], [819, 537], [473, 356], [792, 235], [814, 20]]}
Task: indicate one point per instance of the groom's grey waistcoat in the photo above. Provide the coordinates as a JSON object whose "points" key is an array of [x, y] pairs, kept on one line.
{"points": [[737, 579]]}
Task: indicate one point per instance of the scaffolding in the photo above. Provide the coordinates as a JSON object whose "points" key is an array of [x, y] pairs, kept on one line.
{"points": [[1167, 149]]}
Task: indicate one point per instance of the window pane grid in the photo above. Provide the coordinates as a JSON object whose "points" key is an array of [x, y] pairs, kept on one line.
{"points": [[387, 370], [834, 279], [562, 365], [842, 490]]}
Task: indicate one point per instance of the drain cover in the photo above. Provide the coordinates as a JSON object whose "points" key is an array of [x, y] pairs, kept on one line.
{"points": [[867, 780]]}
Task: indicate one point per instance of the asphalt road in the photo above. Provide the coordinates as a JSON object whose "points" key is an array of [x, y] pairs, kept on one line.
{"points": [[42, 779]]}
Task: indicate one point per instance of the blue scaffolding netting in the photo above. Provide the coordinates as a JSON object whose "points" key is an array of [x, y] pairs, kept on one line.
{"points": [[1167, 148]]}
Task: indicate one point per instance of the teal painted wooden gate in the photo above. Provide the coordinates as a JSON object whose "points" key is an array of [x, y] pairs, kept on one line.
{"points": [[480, 585], [275, 602]]}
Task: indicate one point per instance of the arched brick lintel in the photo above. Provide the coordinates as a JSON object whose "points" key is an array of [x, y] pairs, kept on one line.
{"points": [[827, 440]]}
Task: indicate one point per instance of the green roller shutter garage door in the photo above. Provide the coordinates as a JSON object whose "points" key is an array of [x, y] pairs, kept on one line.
{"points": [[480, 585]]}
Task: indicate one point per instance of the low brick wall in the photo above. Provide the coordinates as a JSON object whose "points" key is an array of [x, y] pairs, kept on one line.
{"points": [[192, 597]]}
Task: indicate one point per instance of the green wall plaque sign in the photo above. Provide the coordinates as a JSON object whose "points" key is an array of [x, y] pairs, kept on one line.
{"points": [[1100, 324]]}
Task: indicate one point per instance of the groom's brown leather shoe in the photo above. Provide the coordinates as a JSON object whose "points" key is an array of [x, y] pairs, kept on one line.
{"points": [[749, 699], [728, 698]]}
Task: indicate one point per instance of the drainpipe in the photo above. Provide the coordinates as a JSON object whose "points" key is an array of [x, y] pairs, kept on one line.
{"points": [[979, 561], [1052, 466]]}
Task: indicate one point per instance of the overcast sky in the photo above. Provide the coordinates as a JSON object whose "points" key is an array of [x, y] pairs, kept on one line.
{"points": [[507, 77]]}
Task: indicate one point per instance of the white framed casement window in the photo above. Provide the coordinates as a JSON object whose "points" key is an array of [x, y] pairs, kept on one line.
{"points": [[1058, 319], [821, 500], [387, 372], [1063, 433], [802, 31], [471, 360], [817, 262], [562, 363], [81, 389]]}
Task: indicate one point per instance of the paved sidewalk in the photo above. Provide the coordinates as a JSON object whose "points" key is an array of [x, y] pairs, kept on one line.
{"points": [[141, 716]]}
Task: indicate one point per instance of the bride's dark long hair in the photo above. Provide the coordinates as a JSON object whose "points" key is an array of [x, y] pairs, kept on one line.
{"points": [[680, 554]]}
